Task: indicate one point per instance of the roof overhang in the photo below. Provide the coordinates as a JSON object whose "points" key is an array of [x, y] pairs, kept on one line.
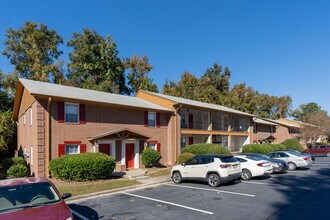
{"points": [[120, 134]]}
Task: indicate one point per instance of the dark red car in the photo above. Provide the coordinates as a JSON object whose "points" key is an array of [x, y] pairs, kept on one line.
{"points": [[32, 198], [319, 150]]}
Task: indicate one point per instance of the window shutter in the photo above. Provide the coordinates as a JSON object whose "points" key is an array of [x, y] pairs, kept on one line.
{"points": [[158, 147], [158, 119], [82, 113], [82, 148], [60, 112], [61, 150], [145, 119]]}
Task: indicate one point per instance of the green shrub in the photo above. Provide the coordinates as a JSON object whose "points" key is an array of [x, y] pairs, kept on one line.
{"points": [[17, 170], [262, 148], [184, 157], [149, 157], [204, 148], [8, 162], [82, 167], [293, 144]]}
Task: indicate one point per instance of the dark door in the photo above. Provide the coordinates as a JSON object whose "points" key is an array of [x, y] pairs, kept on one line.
{"points": [[191, 121], [129, 155], [104, 148], [191, 140]]}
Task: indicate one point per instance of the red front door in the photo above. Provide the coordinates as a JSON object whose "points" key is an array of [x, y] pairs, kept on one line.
{"points": [[129, 155], [191, 121], [104, 148]]}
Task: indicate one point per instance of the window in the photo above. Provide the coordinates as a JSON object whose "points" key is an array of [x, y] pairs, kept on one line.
{"points": [[152, 145], [151, 119], [192, 161], [71, 112], [30, 116], [24, 119], [241, 160], [72, 149], [206, 160]]}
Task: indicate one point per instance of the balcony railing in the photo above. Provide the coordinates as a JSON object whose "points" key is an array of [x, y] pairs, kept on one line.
{"points": [[240, 128], [219, 127], [196, 125]]}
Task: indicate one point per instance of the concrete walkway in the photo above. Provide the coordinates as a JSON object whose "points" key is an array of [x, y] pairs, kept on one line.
{"points": [[139, 175]]}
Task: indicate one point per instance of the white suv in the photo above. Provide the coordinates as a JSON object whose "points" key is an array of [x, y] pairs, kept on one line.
{"points": [[215, 169]]}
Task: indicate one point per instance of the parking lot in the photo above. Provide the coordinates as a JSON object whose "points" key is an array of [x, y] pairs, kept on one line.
{"points": [[296, 194]]}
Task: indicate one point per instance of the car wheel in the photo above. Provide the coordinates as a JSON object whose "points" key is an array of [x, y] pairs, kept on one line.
{"points": [[292, 166], [246, 174], [213, 180], [177, 178]]}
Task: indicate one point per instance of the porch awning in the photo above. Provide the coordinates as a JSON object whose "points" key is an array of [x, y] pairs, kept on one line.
{"points": [[121, 134], [262, 137]]}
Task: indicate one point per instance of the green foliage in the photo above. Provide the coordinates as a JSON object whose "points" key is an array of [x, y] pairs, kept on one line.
{"points": [[18, 170], [262, 148], [33, 50], [204, 148], [149, 157], [7, 134], [293, 144], [82, 167], [322, 143], [94, 63], [305, 111], [138, 69], [184, 157], [8, 162]]}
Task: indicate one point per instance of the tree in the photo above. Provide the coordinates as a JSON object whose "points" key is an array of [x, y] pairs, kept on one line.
{"points": [[138, 69], [305, 111], [33, 50], [219, 78], [7, 134], [94, 63]]}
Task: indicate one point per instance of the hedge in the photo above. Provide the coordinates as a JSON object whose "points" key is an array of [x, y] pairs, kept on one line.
{"points": [[149, 157], [293, 144], [8, 162], [204, 148], [82, 167], [184, 157], [17, 170], [262, 148]]}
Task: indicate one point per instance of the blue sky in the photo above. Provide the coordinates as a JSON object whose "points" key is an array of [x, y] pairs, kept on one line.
{"points": [[277, 47]]}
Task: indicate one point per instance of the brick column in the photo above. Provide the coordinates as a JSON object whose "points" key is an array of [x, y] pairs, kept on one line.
{"points": [[41, 136]]}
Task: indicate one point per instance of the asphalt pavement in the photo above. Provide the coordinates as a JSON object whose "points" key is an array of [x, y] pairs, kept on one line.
{"points": [[300, 194]]}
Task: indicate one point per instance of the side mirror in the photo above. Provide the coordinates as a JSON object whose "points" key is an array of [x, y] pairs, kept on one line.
{"points": [[66, 195], [183, 164]]}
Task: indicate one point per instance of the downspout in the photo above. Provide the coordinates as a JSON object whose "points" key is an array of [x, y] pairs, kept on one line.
{"points": [[48, 139], [176, 133]]}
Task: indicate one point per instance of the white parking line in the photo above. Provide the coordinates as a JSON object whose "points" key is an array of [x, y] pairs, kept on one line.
{"points": [[169, 203], [269, 184], [79, 215], [213, 190]]}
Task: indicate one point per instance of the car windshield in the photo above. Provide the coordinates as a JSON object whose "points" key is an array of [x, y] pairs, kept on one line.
{"points": [[264, 157], [251, 157], [27, 196]]}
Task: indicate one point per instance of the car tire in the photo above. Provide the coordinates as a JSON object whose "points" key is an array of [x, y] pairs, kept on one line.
{"points": [[213, 180], [292, 166], [176, 177], [246, 174]]}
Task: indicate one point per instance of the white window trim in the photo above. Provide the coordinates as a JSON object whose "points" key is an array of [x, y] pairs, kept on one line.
{"points": [[154, 113], [72, 144], [30, 116], [24, 119], [78, 116]]}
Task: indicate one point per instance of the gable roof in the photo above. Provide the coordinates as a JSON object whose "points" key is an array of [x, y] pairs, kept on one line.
{"points": [[37, 88], [189, 102], [282, 123], [260, 121]]}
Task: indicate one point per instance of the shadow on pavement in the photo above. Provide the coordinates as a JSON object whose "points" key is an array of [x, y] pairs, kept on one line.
{"points": [[85, 211]]}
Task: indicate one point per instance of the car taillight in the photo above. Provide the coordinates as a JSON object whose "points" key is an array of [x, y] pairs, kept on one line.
{"points": [[262, 164], [225, 166], [305, 158]]}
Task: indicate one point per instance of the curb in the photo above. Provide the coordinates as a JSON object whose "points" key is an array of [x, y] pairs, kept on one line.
{"points": [[113, 191]]}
